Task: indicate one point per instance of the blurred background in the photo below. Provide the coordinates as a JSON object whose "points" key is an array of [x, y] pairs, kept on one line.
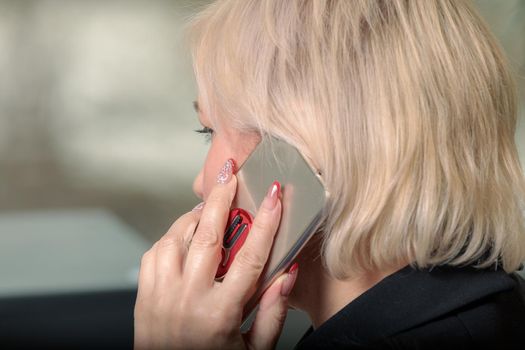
{"points": [[98, 154]]}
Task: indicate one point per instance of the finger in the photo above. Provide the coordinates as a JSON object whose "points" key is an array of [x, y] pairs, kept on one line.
{"points": [[272, 313], [251, 258], [171, 249], [146, 274], [205, 251]]}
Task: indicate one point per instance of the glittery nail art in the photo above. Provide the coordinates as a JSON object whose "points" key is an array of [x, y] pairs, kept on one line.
{"points": [[226, 172], [198, 206]]}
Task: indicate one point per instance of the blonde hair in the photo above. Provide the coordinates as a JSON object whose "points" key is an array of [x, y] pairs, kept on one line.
{"points": [[407, 107]]}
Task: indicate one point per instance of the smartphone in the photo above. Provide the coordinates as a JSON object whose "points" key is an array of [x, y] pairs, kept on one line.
{"points": [[303, 201]]}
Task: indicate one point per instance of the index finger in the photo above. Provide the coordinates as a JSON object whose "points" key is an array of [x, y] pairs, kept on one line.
{"points": [[251, 259], [204, 254]]}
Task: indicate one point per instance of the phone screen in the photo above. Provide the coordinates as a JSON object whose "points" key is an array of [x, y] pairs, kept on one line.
{"points": [[303, 201]]}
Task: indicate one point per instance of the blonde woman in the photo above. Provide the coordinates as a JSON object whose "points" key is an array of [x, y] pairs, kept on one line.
{"points": [[408, 111]]}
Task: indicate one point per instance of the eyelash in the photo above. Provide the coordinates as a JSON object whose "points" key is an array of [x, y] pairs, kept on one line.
{"points": [[207, 131]]}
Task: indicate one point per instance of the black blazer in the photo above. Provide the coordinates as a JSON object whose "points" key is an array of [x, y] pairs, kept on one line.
{"points": [[445, 308]]}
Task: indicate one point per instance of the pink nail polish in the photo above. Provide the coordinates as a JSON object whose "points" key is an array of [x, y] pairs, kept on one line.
{"points": [[225, 174], [273, 195], [198, 206]]}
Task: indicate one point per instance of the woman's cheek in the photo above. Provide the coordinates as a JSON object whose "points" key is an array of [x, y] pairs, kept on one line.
{"points": [[216, 158]]}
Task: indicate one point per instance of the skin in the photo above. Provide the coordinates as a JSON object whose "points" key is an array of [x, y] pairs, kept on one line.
{"points": [[179, 305]]}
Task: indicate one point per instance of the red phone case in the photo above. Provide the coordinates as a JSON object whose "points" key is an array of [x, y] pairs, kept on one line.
{"points": [[237, 229]]}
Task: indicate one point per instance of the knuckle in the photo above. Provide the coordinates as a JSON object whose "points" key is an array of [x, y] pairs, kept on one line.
{"points": [[185, 307], [146, 257], [260, 225], [250, 259], [170, 241], [220, 195], [218, 200], [160, 303], [278, 320], [205, 237], [183, 221]]}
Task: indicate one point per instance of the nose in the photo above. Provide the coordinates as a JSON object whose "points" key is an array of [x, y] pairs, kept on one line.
{"points": [[198, 185]]}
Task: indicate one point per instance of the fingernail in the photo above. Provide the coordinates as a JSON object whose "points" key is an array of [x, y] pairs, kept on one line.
{"points": [[272, 195], [198, 206], [226, 172], [289, 282]]}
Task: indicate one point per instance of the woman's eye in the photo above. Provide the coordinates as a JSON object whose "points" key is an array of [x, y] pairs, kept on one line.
{"points": [[208, 132]]}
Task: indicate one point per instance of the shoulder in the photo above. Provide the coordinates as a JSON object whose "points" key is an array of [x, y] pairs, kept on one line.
{"points": [[497, 320], [430, 309]]}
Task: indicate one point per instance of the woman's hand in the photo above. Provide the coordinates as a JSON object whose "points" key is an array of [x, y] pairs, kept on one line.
{"points": [[179, 303]]}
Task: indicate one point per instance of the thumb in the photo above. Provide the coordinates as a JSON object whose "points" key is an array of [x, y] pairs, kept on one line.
{"points": [[271, 315]]}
